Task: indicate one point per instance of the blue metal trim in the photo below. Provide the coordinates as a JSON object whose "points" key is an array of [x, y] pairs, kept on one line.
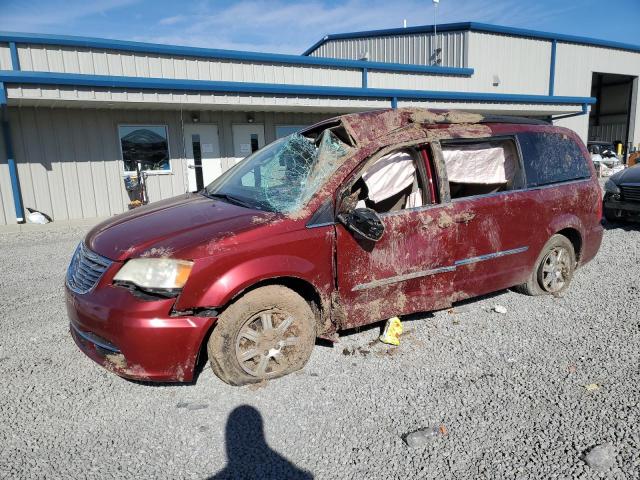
{"points": [[15, 59], [50, 78], [121, 45], [11, 162], [394, 102], [364, 78], [552, 66], [479, 27]]}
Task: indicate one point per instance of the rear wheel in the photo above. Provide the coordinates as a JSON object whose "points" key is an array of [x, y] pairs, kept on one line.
{"points": [[267, 333], [554, 268]]}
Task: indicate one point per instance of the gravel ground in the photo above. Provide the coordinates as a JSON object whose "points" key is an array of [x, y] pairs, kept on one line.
{"points": [[509, 395]]}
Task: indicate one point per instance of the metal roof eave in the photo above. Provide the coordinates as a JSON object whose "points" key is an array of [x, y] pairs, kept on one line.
{"points": [[478, 27], [103, 81]]}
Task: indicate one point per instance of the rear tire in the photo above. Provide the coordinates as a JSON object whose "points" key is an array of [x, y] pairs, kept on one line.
{"points": [[267, 333], [553, 270]]}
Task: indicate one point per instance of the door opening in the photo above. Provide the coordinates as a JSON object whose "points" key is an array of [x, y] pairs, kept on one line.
{"points": [[609, 119]]}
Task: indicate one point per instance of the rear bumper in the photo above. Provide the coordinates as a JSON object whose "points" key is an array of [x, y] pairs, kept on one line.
{"points": [[134, 338]]}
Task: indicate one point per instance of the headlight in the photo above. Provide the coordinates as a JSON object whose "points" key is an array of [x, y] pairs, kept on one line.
{"points": [[165, 273], [611, 187]]}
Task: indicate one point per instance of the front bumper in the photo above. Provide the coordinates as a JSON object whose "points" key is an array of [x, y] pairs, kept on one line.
{"points": [[621, 206], [135, 338]]}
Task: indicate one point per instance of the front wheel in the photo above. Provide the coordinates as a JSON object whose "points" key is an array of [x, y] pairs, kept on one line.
{"points": [[267, 333], [554, 268]]}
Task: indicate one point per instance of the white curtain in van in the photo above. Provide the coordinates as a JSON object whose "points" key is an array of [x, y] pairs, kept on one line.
{"points": [[480, 163], [389, 175]]}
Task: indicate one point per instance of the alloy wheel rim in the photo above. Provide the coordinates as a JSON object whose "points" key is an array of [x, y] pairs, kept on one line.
{"points": [[267, 343], [555, 269]]}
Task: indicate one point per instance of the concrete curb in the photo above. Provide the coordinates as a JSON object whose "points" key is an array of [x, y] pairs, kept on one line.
{"points": [[62, 225]]}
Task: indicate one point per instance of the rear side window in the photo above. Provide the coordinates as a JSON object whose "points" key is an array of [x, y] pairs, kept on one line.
{"points": [[481, 168], [551, 158]]}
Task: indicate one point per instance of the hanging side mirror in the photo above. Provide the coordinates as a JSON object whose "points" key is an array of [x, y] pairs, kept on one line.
{"points": [[364, 222]]}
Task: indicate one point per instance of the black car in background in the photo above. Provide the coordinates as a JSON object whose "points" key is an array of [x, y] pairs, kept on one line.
{"points": [[622, 195]]}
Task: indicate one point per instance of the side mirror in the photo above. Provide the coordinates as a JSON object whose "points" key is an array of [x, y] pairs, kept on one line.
{"points": [[364, 222]]}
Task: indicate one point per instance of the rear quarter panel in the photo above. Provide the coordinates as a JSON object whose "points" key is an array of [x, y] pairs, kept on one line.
{"points": [[573, 204]]}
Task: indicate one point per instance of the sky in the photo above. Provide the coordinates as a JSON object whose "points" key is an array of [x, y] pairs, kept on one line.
{"points": [[292, 26]]}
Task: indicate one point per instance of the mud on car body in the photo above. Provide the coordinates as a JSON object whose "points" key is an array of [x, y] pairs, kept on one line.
{"points": [[351, 221]]}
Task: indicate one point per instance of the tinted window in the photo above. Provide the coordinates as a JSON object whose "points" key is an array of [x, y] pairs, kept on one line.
{"points": [[551, 158]]}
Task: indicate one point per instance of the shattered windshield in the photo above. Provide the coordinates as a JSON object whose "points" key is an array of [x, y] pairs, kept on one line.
{"points": [[283, 176]]}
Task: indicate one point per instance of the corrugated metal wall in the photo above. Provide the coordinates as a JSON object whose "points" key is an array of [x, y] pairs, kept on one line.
{"points": [[70, 165], [521, 64], [415, 49], [52, 95], [610, 132], [7, 213], [575, 65], [5, 57], [51, 58]]}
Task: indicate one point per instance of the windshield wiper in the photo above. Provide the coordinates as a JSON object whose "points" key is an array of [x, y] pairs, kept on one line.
{"points": [[229, 199]]}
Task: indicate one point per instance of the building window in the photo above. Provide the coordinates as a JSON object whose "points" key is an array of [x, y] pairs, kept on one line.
{"points": [[147, 145]]}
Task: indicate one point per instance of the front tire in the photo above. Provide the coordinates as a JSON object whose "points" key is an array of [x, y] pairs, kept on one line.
{"points": [[267, 333], [554, 268]]}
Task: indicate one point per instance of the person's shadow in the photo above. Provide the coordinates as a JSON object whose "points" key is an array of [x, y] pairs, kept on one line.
{"points": [[248, 455]]}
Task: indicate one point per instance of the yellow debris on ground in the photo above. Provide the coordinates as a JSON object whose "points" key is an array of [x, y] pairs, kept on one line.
{"points": [[392, 332]]}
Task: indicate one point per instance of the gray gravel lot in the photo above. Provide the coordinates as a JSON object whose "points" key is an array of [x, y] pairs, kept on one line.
{"points": [[508, 390]]}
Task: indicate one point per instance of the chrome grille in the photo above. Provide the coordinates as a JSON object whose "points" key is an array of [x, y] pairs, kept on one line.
{"points": [[85, 269], [630, 192]]}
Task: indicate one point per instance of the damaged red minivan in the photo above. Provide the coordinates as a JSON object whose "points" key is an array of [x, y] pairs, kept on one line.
{"points": [[349, 222]]}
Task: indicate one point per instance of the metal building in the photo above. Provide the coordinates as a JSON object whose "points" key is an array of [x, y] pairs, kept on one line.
{"points": [[75, 110]]}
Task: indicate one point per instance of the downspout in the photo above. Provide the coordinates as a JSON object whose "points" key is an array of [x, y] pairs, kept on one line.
{"points": [[8, 148], [552, 67]]}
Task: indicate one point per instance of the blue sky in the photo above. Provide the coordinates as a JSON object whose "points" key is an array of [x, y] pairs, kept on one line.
{"points": [[291, 27]]}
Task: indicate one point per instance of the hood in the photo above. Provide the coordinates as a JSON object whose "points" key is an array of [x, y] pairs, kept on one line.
{"points": [[169, 226], [628, 175]]}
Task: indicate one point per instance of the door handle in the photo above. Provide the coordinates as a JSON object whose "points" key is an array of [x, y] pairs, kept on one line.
{"points": [[194, 166]]}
